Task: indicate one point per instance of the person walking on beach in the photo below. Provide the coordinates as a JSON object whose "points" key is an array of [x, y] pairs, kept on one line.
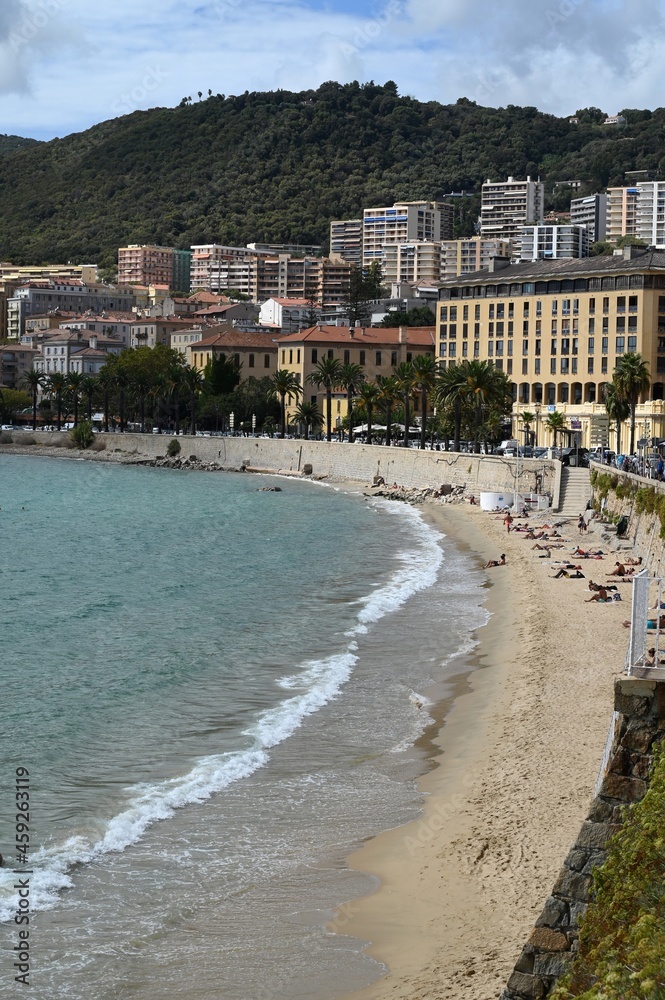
{"points": [[581, 524], [508, 521]]}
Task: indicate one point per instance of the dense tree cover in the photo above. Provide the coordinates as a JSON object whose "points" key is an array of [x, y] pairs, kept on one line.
{"points": [[420, 316], [10, 143], [279, 166]]}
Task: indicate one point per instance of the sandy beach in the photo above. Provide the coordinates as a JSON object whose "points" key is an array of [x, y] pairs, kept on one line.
{"points": [[520, 749]]}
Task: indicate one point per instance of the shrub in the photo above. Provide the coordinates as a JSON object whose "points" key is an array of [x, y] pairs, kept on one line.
{"points": [[173, 448], [82, 435]]}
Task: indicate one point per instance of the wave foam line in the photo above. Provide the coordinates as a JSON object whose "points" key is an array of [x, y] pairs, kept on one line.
{"points": [[317, 682]]}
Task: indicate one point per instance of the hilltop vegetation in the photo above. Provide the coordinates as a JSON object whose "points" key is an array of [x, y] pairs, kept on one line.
{"points": [[279, 166], [10, 143]]}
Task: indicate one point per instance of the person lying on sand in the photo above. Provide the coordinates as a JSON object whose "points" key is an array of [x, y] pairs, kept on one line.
{"points": [[600, 586], [546, 548], [588, 555], [495, 562], [633, 562], [652, 624], [570, 575]]}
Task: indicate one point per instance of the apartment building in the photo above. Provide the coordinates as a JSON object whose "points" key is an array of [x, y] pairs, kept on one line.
{"points": [[15, 361], [72, 296], [508, 206], [286, 316], [406, 222], [554, 242], [149, 264], [650, 222], [20, 274], [255, 353], [378, 350], [621, 212], [408, 263], [209, 264], [346, 240], [592, 213], [474, 254], [558, 327], [70, 351]]}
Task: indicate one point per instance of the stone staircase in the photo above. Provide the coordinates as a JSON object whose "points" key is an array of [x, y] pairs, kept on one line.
{"points": [[576, 491]]}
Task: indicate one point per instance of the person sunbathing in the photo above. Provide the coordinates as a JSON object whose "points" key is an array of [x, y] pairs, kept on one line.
{"points": [[589, 554], [576, 575], [601, 597], [495, 562], [619, 570], [600, 586], [634, 562]]}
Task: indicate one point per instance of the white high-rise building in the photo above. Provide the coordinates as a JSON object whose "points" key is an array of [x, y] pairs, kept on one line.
{"points": [[407, 263], [508, 206], [405, 222], [650, 221], [554, 242], [592, 213], [346, 240]]}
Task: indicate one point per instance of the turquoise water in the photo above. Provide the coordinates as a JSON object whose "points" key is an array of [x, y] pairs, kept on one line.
{"points": [[215, 691]]}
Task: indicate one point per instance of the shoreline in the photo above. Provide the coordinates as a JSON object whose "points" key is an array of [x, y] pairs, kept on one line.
{"points": [[518, 754]]}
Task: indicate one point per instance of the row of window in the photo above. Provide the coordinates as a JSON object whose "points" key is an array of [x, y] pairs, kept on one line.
{"points": [[530, 288], [362, 356], [448, 331], [500, 310]]}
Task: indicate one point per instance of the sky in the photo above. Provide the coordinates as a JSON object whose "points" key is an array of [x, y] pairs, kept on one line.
{"points": [[67, 64]]}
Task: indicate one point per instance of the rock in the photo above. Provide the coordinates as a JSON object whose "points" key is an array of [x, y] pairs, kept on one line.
{"points": [[552, 965], [526, 986], [639, 736], [554, 913], [576, 859], [595, 835], [545, 939], [573, 886], [625, 789], [526, 960]]}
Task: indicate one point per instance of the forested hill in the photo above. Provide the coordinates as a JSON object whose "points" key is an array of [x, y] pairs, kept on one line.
{"points": [[279, 166], [10, 143]]}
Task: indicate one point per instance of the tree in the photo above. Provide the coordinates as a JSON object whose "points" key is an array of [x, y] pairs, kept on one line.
{"points": [[141, 384], [11, 402], [556, 422], [484, 385], [74, 382], [221, 375], [420, 316], [309, 416], [174, 384], [388, 396], [425, 371], [527, 419], [284, 383], [33, 381], [327, 374], [368, 397], [351, 379], [88, 389], [631, 377], [106, 379], [452, 389], [405, 381], [56, 387], [193, 381], [365, 285], [121, 380], [618, 409]]}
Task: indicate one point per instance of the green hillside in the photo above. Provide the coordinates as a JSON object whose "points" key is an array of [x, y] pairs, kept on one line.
{"points": [[10, 143], [279, 166]]}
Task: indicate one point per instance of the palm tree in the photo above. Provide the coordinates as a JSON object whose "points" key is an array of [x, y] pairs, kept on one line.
{"points": [[556, 422], [33, 381], [527, 419], [452, 388], [328, 374], [88, 389], [484, 385], [56, 386], [618, 409], [404, 378], [174, 383], [158, 390], [121, 380], [284, 383], [425, 371], [141, 384], [309, 415], [632, 379], [106, 379], [74, 381], [193, 379], [368, 396], [351, 379], [388, 396]]}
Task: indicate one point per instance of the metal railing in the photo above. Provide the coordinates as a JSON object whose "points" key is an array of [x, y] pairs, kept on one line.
{"points": [[647, 624]]}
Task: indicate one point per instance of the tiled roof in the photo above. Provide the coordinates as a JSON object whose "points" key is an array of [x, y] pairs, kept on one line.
{"points": [[236, 338], [372, 336], [542, 270]]}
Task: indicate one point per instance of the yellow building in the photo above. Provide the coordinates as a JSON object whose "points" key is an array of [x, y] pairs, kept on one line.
{"points": [[557, 328], [256, 353], [379, 350]]}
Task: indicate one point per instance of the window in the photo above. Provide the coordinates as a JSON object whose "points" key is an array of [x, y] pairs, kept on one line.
{"points": [[465, 330], [509, 367], [266, 361], [576, 306], [236, 360], [604, 345], [539, 308], [476, 350], [499, 329], [444, 314], [476, 314], [592, 326], [565, 366], [378, 359], [539, 327], [565, 307], [453, 314], [603, 366], [283, 357], [500, 311], [331, 353], [553, 366], [490, 349], [491, 314], [499, 348], [606, 325], [555, 307], [362, 357], [452, 330], [554, 326], [315, 356], [499, 365], [632, 344], [312, 399], [538, 343], [573, 366], [465, 349], [632, 324], [620, 345], [291, 356], [476, 330], [660, 366], [565, 345], [525, 347], [589, 366], [621, 324], [606, 304], [409, 357], [592, 306], [443, 348], [465, 313], [525, 310], [452, 351], [621, 304], [553, 347], [250, 361], [575, 345], [511, 310], [490, 329], [444, 330], [393, 358], [298, 355], [510, 348], [347, 357], [525, 328], [525, 366], [511, 327], [536, 367]]}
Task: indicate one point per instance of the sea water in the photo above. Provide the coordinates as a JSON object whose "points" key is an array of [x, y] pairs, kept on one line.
{"points": [[216, 692]]}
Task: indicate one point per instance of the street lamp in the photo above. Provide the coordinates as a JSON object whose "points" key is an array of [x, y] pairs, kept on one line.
{"points": [[536, 410], [253, 423], [232, 420]]}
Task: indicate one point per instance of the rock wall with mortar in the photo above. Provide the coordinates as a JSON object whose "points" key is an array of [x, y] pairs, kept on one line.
{"points": [[643, 529]]}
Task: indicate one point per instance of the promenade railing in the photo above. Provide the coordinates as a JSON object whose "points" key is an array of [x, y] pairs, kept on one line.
{"points": [[646, 648]]}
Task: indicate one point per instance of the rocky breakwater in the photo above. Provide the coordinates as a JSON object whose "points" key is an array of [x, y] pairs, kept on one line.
{"points": [[444, 494], [638, 727]]}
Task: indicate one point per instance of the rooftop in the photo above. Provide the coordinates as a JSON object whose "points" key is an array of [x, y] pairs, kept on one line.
{"points": [[372, 336], [541, 270], [230, 337]]}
